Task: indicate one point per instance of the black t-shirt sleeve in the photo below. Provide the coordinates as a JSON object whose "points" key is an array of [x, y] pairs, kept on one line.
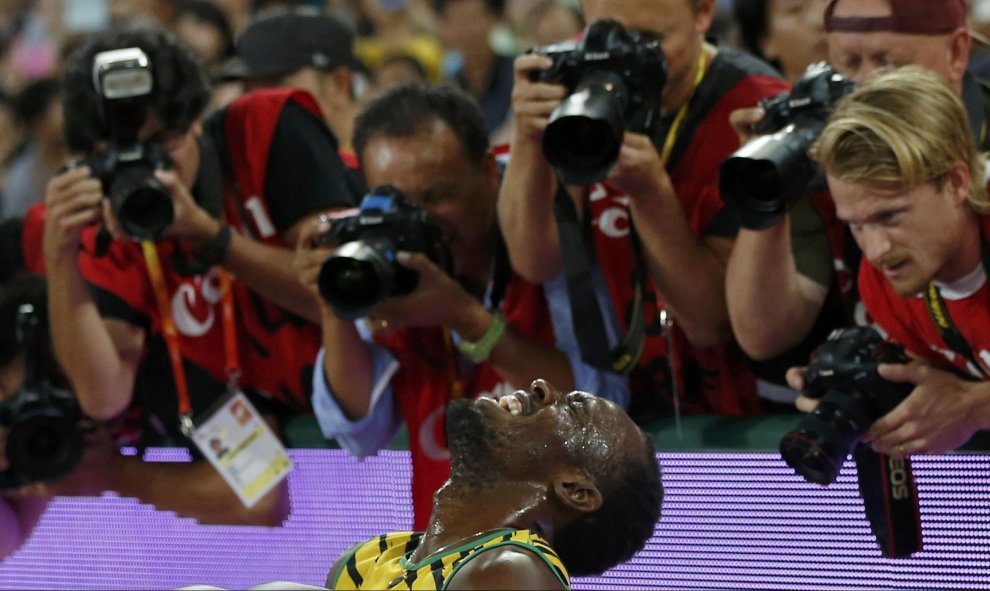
{"points": [[305, 173]]}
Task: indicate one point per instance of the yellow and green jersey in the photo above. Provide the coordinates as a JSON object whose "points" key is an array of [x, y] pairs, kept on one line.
{"points": [[383, 562]]}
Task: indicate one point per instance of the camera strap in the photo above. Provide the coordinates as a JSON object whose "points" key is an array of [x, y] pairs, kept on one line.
{"points": [[939, 313], [576, 253], [171, 334], [890, 497]]}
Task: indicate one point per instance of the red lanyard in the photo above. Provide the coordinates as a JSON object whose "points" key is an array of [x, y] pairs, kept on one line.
{"points": [[232, 365]]}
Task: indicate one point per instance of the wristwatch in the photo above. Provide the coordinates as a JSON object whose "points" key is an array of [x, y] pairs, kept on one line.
{"points": [[478, 351], [215, 250]]}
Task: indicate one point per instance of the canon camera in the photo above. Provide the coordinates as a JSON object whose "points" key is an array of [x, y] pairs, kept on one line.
{"points": [[843, 375], [140, 203], [363, 271], [614, 79], [766, 175]]}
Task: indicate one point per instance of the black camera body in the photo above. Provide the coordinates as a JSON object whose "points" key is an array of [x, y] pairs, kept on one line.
{"points": [[614, 79], [44, 440], [843, 375], [141, 204], [363, 271], [765, 176]]}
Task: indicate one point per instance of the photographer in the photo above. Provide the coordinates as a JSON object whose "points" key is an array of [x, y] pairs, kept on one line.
{"points": [[905, 174], [792, 279], [472, 331], [663, 185], [152, 325]]}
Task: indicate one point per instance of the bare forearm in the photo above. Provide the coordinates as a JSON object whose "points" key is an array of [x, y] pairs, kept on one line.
{"points": [[525, 211], [268, 271], [771, 306], [687, 272], [347, 365], [83, 345], [197, 490]]}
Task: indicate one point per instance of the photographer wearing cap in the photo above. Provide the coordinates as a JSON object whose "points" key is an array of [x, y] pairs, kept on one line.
{"points": [[660, 234], [466, 327], [162, 325], [906, 176], [303, 48], [791, 276]]}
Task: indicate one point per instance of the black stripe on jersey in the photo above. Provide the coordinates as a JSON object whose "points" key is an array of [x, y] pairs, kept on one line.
{"points": [[352, 571], [436, 569], [383, 543]]}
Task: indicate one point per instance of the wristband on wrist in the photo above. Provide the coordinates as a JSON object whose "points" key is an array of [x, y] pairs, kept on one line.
{"points": [[480, 350], [215, 250]]}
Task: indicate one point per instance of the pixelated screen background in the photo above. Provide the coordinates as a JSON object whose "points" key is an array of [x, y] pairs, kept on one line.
{"points": [[730, 520]]}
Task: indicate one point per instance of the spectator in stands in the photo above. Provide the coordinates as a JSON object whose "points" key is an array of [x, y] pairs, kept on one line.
{"points": [[40, 106], [542, 486], [204, 27], [906, 176], [465, 29], [788, 34], [475, 331], [665, 187]]}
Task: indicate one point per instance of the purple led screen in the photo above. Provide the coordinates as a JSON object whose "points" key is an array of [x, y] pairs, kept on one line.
{"points": [[730, 520]]}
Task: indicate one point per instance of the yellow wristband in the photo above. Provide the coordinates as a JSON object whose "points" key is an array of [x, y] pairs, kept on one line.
{"points": [[478, 351]]}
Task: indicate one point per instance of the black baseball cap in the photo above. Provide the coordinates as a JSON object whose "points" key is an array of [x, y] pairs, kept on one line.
{"points": [[283, 40]]}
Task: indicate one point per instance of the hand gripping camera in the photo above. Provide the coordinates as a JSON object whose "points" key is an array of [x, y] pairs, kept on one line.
{"points": [[843, 375], [43, 435], [142, 205], [363, 271], [765, 176], [614, 79]]}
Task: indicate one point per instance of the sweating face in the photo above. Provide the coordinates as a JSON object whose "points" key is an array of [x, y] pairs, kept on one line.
{"points": [[522, 434]]}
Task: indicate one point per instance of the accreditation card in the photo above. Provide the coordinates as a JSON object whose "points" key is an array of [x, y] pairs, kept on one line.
{"points": [[241, 446]]}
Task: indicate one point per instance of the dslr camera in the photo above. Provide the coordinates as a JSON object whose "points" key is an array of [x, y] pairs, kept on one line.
{"points": [[44, 438], [363, 271], [143, 206], [765, 176], [843, 375], [614, 79]]}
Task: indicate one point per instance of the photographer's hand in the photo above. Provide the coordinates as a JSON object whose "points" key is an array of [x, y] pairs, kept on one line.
{"points": [[795, 379], [438, 300], [639, 172], [743, 120], [532, 102], [192, 224], [308, 258], [73, 199], [940, 414]]}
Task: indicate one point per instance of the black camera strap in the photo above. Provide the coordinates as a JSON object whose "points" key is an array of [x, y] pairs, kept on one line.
{"points": [[577, 252], [890, 497], [939, 313]]}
